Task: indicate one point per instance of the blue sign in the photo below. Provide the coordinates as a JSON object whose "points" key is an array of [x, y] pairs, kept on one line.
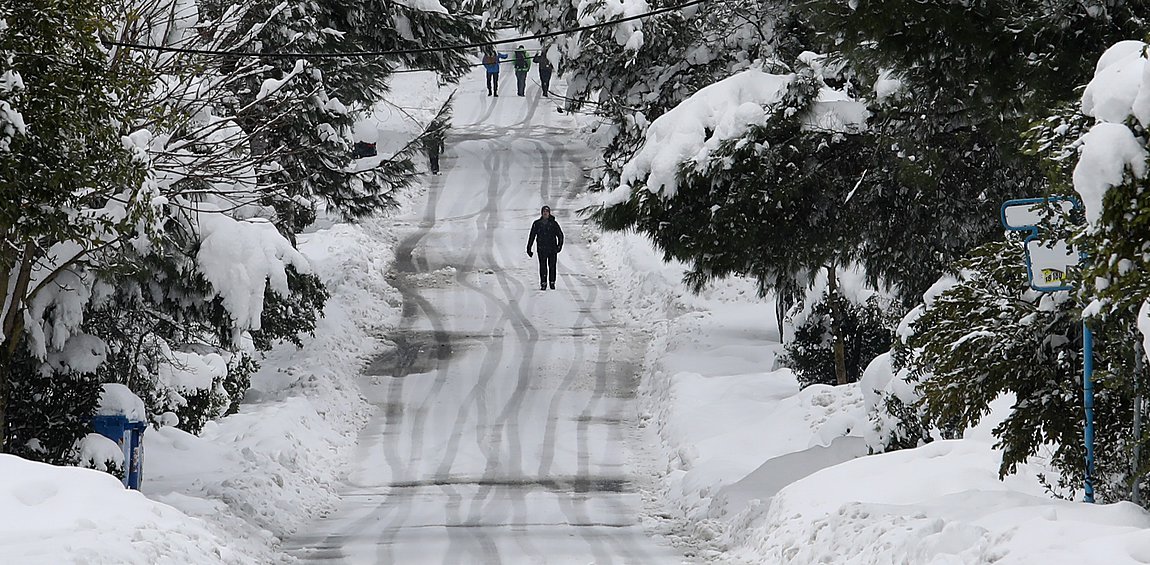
{"points": [[1047, 261]]}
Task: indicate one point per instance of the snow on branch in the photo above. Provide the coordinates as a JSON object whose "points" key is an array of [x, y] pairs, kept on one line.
{"points": [[241, 259], [1119, 92], [725, 110]]}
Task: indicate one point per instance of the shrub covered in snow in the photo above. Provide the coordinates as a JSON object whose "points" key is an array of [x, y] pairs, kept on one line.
{"points": [[863, 328]]}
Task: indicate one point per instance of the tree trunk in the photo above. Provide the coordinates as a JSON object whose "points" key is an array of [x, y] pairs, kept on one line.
{"points": [[13, 328], [836, 326], [782, 301]]}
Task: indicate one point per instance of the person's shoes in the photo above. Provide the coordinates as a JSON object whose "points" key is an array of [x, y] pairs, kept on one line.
{"points": [[552, 286], [496, 95], [545, 95], [542, 286]]}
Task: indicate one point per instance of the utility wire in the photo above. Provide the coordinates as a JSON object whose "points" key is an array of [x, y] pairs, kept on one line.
{"points": [[290, 55]]}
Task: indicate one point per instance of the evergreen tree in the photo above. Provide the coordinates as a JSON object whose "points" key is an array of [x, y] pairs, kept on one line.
{"points": [[1110, 157], [864, 332], [309, 142], [970, 78], [60, 172], [134, 181], [991, 335], [772, 204]]}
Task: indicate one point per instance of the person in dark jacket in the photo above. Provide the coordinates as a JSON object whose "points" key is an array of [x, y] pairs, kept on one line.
{"points": [[550, 238], [491, 64], [545, 69], [433, 144], [522, 64]]}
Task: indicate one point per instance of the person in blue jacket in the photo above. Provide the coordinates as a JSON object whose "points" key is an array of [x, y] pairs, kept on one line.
{"points": [[491, 63]]}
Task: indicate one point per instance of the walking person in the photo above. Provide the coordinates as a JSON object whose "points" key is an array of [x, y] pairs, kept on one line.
{"points": [[545, 68], [522, 64], [491, 63], [433, 145], [550, 243]]}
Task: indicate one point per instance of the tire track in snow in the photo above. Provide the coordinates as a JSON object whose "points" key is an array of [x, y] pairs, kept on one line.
{"points": [[392, 419]]}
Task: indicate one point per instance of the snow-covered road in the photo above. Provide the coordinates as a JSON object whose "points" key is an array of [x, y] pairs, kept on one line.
{"points": [[506, 415]]}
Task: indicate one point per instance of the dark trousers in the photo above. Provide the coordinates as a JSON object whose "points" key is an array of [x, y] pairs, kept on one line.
{"points": [[493, 83], [547, 267], [520, 81], [545, 82], [433, 158]]}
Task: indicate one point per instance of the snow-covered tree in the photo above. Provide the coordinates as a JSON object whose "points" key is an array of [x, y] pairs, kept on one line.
{"points": [[989, 335], [70, 187], [148, 209], [750, 176], [310, 141], [953, 86], [633, 72]]}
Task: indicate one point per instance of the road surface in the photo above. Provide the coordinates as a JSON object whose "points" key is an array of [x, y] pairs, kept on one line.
{"points": [[506, 416]]}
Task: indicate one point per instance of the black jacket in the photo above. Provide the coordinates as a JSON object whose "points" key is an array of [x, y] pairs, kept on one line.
{"points": [[549, 234]]}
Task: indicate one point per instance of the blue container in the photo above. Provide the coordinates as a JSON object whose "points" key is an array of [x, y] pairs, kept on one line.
{"points": [[128, 434]]}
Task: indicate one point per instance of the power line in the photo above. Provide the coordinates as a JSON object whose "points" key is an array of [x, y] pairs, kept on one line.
{"points": [[291, 55]]}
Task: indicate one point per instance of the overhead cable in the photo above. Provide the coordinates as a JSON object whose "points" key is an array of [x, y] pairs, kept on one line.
{"points": [[301, 55]]}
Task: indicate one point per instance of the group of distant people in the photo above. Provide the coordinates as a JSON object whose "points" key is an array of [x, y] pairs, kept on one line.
{"points": [[545, 235], [521, 62], [433, 140]]}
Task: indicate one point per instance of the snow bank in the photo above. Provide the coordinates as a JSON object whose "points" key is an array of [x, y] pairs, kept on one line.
{"points": [[272, 467], [941, 503], [97, 451], [53, 515]]}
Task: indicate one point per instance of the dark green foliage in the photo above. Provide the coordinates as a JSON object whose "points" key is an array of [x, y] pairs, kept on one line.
{"points": [[198, 408], [974, 77], [922, 218], [911, 429], [286, 317], [49, 411], [1119, 266], [977, 64], [77, 104], [990, 335], [865, 329], [777, 212], [73, 145], [310, 140], [238, 380]]}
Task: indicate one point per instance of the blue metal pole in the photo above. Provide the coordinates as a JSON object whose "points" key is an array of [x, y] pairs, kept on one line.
{"points": [[1088, 404]]}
